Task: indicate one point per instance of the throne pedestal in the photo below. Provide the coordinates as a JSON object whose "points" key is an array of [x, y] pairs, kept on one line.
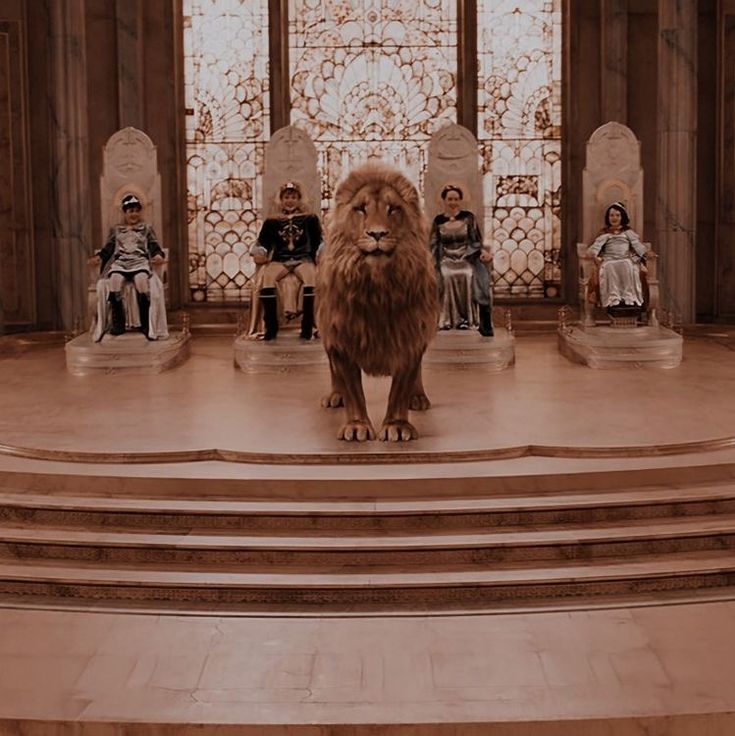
{"points": [[127, 353], [462, 349], [287, 354], [604, 346]]}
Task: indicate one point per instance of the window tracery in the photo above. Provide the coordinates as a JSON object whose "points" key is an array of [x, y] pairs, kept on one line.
{"points": [[519, 131], [227, 126]]}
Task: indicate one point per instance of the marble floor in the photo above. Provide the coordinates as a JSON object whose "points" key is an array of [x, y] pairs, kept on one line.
{"points": [[660, 668], [544, 404]]}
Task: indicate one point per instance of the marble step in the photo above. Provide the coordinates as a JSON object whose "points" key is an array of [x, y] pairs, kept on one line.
{"points": [[93, 512], [386, 551], [78, 584], [326, 483]]}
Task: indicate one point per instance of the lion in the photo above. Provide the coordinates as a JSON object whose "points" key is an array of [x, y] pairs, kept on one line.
{"points": [[378, 305]]}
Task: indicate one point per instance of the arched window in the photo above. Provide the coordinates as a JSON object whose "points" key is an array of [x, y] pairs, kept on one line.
{"points": [[373, 77]]}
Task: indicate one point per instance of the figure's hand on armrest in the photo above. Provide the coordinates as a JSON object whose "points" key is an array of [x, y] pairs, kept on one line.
{"points": [[94, 260], [157, 260], [486, 256], [260, 260]]}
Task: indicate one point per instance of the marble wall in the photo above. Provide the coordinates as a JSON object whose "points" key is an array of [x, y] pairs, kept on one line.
{"points": [[725, 257], [17, 298]]}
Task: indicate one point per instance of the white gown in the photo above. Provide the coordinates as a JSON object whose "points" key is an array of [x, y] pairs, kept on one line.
{"points": [[620, 272]]}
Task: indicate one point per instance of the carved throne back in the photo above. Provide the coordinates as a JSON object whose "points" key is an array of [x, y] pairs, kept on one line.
{"points": [[612, 173]]}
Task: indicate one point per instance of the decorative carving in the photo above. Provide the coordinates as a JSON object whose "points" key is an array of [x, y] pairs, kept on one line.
{"points": [[291, 155], [612, 173], [129, 164], [453, 158]]}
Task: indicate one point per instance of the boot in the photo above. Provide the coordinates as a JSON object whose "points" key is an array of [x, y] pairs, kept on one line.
{"points": [[270, 312], [307, 317], [118, 313], [486, 321], [144, 308]]}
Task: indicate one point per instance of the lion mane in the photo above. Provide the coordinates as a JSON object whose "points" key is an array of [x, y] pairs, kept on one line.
{"points": [[377, 292]]}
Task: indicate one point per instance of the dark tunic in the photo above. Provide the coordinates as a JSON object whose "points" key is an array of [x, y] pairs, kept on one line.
{"points": [[291, 237]]}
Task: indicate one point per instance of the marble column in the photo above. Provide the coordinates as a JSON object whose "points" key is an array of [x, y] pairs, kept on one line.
{"points": [[128, 19], [70, 167], [614, 61], [677, 153]]}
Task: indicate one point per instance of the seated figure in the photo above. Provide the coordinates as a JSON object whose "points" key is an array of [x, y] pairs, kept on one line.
{"points": [[287, 247], [464, 279], [620, 257], [129, 292]]}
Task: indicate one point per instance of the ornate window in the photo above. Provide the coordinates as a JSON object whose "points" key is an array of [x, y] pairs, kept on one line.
{"points": [[227, 100], [519, 131], [372, 78]]}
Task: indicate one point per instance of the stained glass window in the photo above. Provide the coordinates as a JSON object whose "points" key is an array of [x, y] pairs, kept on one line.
{"points": [[227, 101], [372, 78], [519, 130]]}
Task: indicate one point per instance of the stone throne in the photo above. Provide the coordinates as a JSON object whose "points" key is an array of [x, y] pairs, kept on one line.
{"points": [[289, 156], [130, 165], [454, 159], [613, 173]]}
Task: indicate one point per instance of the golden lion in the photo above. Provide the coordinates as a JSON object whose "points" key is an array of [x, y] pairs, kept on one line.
{"points": [[377, 305]]}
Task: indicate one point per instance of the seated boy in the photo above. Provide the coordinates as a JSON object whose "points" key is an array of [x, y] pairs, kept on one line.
{"points": [[130, 251]]}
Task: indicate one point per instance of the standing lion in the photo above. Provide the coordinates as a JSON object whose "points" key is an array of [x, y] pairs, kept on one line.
{"points": [[378, 305]]}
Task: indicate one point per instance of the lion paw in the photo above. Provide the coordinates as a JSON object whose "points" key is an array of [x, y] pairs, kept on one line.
{"points": [[398, 431], [419, 402], [356, 432], [332, 400]]}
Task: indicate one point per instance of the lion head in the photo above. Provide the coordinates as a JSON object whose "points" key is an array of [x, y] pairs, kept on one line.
{"points": [[376, 280]]}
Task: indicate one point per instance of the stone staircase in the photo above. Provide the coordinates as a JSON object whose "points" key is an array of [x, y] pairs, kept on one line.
{"points": [[351, 546]]}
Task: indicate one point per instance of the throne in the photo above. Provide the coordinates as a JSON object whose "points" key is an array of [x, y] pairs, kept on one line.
{"points": [[289, 156], [454, 159], [630, 336], [129, 166]]}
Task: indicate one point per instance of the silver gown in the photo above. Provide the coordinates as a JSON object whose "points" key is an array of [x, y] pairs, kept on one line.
{"points": [[620, 272], [464, 280]]}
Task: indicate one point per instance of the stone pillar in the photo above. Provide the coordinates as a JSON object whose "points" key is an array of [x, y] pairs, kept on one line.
{"points": [[676, 214], [614, 61], [128, 19], [70, 169]]}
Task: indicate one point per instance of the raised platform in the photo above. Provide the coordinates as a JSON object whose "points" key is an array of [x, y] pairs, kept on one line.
{"points": [[603, 346], [127, 353], [462, 349], [457, 349], [288, 353], [206, 557]]}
